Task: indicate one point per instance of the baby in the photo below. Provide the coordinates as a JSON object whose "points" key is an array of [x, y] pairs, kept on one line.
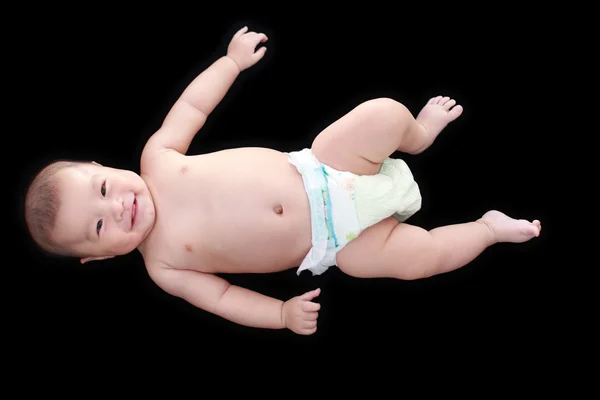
{"points": [[342, 202]]}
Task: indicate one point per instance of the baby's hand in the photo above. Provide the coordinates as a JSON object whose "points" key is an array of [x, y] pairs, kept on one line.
{"points": [[300, 313], [242, 47]]}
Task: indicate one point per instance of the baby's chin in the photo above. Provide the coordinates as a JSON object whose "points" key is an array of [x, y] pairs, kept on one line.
{"points": [[134, 241]]}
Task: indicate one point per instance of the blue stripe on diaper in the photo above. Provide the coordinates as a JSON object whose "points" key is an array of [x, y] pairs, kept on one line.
{"points": [[327, 199]]}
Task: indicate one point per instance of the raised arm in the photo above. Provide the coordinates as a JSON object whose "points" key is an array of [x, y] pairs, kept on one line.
{"points": [[236, 304], [205, 92]]}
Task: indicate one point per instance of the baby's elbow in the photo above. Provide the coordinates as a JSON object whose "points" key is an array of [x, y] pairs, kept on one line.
{"points": [[222, 300]]}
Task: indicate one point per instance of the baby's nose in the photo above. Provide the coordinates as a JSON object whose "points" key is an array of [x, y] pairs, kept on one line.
{"points": [[117, 209]]}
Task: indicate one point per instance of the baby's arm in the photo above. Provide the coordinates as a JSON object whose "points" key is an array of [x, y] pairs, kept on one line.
{"points": [[217, 296], [242, 306], [205, 92]]}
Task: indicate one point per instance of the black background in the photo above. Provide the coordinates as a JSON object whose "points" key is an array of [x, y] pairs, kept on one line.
{"points": [[95, 84]]}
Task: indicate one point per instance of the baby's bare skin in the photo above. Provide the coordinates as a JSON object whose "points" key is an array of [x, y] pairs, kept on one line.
{"points": [[246, 210], [233, 211]]}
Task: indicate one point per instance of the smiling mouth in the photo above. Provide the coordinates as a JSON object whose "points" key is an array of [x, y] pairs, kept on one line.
{"points": [[133, 211]]}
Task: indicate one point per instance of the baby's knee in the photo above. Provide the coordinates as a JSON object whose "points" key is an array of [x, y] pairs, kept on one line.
{"points": [[385, 104], [387, 109]]}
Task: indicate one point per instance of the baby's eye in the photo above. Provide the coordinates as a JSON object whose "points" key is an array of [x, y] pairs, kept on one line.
{"points": [[103, 189], [98, 227]]}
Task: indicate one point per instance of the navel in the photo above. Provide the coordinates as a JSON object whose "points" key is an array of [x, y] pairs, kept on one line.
{"points": [[188, 248], [184, 169], [278, 209]]}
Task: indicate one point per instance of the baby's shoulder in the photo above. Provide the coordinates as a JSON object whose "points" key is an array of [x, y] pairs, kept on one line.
{"points": [[160, 161], [159, 273]]}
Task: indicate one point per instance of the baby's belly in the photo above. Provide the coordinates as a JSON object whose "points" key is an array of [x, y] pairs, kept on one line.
{"points": [[256, 214]]}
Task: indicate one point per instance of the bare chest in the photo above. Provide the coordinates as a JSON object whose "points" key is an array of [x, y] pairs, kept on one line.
{"points": [[242, 211]]}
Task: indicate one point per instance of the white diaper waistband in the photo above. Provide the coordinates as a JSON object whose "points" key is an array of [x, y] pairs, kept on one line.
{"points": [[334, 220]]}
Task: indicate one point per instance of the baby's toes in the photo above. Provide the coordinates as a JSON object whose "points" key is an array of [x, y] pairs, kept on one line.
{"points": [[449, 104], [530, 230], [455, 112], [443, 100], [538, 226]]}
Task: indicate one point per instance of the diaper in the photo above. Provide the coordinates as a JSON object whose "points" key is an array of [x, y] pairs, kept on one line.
{"points": [[343, 204], [391, 192]]}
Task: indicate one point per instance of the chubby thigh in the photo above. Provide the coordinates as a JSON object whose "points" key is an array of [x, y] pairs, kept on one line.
{"points": [[388, 249]]}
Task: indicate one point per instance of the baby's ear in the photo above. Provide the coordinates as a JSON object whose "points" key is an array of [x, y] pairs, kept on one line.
{"points": [[88, 259]]}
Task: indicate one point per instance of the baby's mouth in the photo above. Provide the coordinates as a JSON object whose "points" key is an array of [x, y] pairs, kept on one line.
{"points": [[133, 211]]}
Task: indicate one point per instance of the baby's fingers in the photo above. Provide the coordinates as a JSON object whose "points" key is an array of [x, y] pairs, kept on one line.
{"points": [[311, 316], [259, 38], [308, 331], [309, 324], [240, 32], [310, 295], [309, 306], [260, 53]]}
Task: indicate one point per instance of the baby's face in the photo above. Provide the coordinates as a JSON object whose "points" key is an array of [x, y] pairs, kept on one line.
{"points": [[104, 211]]}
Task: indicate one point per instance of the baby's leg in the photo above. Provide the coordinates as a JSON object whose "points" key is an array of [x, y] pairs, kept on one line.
{"points": [[362, 139], [390, 249]]}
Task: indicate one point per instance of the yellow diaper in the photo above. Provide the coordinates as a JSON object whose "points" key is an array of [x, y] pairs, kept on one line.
{"points": [[391, 192]]}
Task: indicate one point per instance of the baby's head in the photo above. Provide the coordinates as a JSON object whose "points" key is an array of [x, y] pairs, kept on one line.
{"points": [[86, 210]]}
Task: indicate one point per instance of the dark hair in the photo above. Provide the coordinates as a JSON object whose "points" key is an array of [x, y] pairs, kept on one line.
{"points": [[42, 202]]}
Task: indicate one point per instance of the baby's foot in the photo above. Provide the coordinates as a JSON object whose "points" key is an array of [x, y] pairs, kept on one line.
{"points": [[437, 113], [507, 229]]}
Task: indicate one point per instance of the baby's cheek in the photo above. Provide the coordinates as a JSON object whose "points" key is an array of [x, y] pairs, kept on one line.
{"points": [[133, 240], [126, 243]]}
